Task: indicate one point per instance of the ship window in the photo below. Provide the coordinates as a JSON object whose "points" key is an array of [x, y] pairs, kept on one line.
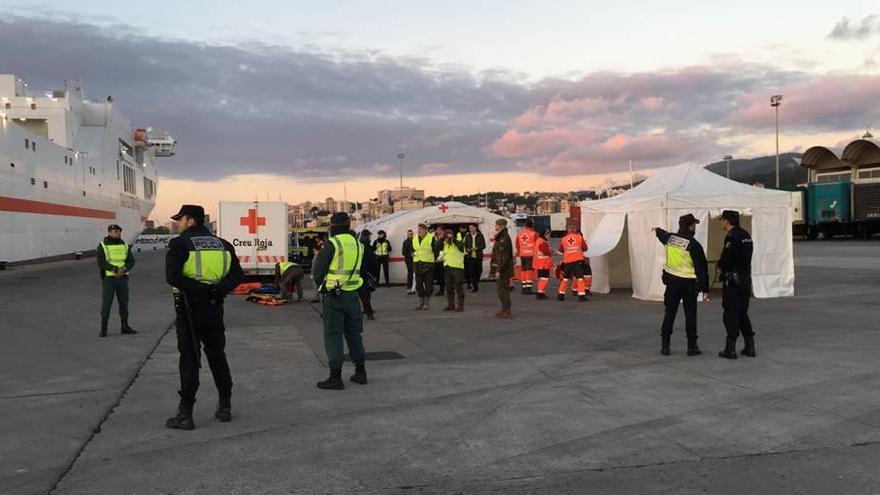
{"points": [[33, 146], [129, 184], [33, 106], [8, 106], [45, 184], [27, 143], [33, 181], [84, 193], [65, 159], [11, 164]]}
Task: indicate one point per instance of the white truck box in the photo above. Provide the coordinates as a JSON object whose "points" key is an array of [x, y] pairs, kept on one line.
{"points": [[259, 232]]}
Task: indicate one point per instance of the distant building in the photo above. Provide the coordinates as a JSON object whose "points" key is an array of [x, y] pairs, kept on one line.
{"points": [[331, 205], [547, 206], [408, 198]]}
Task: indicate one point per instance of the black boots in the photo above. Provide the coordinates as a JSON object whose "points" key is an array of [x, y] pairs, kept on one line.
{"points": [[582, 298], [729, 351], [334, 381], [749, 348], [103, 329], [693, 348], [224, 409], [540, 296], [360, 374], [184, 418], [560, 297], [127, 330], [664, 345]]}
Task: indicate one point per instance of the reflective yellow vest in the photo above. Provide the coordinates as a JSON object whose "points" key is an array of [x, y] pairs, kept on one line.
{"points": [[345, 268], [115, 254], [452, 256], [423, 252], [382, 248], [208, 260], [284, 265], [678, 259]]}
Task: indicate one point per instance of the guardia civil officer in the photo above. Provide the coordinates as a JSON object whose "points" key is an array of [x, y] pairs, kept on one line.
{"points": [[203, 269], [685, 273], [735, 270], [337, 272], [115, 262]]}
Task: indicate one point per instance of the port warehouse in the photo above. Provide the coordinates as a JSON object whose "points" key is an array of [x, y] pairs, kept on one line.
{"points": [[842, 197]]}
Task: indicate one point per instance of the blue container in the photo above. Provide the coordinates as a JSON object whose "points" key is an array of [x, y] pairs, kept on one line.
{"points": [[829, 202]]}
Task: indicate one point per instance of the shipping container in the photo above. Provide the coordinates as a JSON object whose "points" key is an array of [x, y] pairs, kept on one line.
{"points": [[542, 223], [258, 231], [866, 208], [829, 208]]}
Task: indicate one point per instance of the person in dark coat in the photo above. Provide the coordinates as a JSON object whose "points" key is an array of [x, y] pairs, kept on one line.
{"points": [[502, 266], [368, 274], [474, 245], [735, 269], [407, 250], [382, 251]]}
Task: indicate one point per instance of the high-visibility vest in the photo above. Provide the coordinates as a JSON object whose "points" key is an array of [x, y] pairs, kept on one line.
{"points": [[345, 268], [284, 265], [678, 260], [208, 260], [572, 252], [115, 254], [541, 261], [452, 256], [526, 243], [382, 248], [423, 251]]}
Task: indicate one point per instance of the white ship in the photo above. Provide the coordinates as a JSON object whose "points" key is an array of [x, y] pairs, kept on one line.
{"points": [[68, 168]]}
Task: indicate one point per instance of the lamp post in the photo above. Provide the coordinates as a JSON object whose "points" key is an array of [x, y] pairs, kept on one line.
{"points": [[400, 157], [727, 158], [775, 102]]}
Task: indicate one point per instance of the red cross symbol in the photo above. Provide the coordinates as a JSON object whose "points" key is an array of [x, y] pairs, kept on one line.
{"points": [[571, 241], [252, 221], [443, 207]]}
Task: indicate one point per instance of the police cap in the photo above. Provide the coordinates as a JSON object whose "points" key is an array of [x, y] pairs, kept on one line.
{"points": [[193, 211]]}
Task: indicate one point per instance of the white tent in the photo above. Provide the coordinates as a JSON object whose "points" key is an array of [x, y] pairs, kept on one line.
{"points": [[624, 252], [451, 213]]}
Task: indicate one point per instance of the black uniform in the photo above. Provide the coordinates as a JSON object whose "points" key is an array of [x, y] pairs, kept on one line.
{"points": [[369, 273], [205, 311], [407, 250], [735, 268], [684, 290]]}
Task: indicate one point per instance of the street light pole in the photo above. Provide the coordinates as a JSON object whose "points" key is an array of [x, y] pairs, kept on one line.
{"points": [[400, 157], [775, 102], [728, 158]]}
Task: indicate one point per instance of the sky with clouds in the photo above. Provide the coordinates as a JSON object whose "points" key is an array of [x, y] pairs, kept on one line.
{"points": [[291, 100]]}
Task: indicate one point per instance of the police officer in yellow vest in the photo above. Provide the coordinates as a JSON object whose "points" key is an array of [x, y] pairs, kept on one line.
{"points": [[289, 276], [685, 273], [115, 262], [337, 271], [453, 270], [202, 268]]}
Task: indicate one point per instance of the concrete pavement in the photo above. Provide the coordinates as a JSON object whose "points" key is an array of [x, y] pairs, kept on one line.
{"points": [[565, 398]]}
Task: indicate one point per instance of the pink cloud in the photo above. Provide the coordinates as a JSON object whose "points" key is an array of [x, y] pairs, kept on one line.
{"points": [[818, 102], [651, 103], [515, 143]]}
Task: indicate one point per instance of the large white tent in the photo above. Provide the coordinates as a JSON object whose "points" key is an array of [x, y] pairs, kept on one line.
{"points": [[624, 252], [450, 213]]}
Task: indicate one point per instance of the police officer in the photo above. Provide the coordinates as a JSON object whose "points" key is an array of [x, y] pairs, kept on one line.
{"points": [[115, 261], [203, 269], [685, 273], [382, 250], [735, 270], [337, 273]]}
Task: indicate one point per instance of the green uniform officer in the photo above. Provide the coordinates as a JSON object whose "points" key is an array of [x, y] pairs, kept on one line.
{"points": [[337, 271], [115, 262], [453, 270]]}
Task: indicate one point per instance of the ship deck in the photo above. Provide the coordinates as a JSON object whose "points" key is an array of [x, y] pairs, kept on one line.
{"points": [[564, 398]]}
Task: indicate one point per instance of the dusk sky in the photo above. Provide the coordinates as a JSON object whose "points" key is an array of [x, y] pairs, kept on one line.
{"points": [[291, 99]]}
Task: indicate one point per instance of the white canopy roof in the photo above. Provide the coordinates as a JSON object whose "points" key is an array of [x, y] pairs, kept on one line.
{"points": [[636, 260]]}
